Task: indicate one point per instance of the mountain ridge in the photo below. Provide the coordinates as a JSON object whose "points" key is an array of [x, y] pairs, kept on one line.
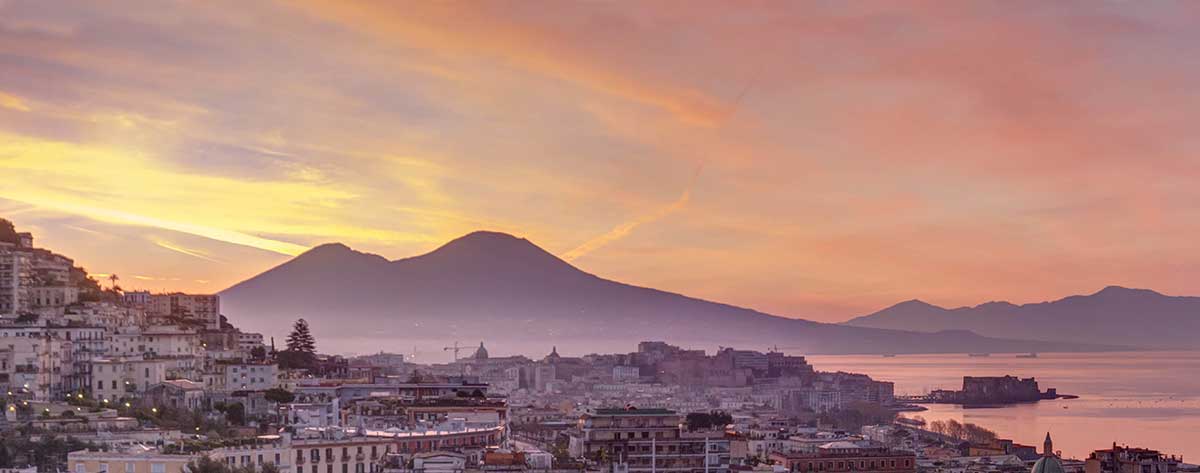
{"points": [[1138, 317], [497, 286]]}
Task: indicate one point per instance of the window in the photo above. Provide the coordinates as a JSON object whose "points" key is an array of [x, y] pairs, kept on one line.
{"points": [[276, 458], [81, 468], [158, 468], [128, 467], [104, 468]]}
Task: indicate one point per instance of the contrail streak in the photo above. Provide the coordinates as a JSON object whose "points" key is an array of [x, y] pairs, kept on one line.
{"points": [[624, 229], [187, 251]]}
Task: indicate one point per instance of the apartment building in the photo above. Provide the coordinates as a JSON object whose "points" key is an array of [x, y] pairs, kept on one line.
{"points": [[645, 440], [37, 364], [847, 456], [84, 461], [116, 378]]}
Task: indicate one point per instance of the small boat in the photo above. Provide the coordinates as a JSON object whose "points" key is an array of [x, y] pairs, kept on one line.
{"points": [[1028, 355], [978, 355], [889, 355]]}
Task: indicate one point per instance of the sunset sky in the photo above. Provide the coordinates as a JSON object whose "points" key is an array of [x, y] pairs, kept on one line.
{"points": [[810, 159]]}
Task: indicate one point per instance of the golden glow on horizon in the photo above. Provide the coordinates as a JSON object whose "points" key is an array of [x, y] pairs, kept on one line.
{"points": [[124, 187]]}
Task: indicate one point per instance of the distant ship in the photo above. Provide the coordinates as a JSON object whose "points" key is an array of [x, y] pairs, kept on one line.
{"points": [[1028, 355], [889, 355], [978, 355]]}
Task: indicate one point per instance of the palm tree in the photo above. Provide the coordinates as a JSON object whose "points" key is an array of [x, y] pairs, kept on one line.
{"points": [[113, 278]]}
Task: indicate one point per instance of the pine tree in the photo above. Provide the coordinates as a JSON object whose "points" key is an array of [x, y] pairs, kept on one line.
{"points": [[301, 340]]}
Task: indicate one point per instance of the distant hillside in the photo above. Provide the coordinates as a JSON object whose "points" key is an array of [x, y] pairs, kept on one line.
{"points": [[1114, 315], [496, 287]]}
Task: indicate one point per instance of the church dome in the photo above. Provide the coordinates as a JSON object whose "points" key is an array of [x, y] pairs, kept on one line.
{"points": [[1047, 464], [480, 353]]}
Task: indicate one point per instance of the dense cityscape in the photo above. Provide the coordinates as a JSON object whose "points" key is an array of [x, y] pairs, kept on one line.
{"points": [[99, 379]]}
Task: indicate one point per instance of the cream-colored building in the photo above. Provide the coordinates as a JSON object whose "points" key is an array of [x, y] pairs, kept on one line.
{"points": [[202, 307], [117, 378], [250, 376], [36, 364], [158, 341], [85, 461]]}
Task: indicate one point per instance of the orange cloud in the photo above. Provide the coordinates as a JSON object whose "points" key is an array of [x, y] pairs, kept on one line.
{"points": [[12, 102], [469, 31]]}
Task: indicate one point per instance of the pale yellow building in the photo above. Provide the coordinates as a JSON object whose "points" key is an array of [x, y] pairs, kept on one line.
{"points": [[84, 461]]}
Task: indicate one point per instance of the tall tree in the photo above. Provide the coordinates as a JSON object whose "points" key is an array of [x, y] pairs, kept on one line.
{"points": [[301, 340], [301, 348]]}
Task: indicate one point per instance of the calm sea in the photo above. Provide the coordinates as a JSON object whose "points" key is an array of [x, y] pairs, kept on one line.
{"points": [[1145, 399]]}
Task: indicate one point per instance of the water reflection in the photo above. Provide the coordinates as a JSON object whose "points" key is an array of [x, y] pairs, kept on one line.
{"points": [[1147, 399]]}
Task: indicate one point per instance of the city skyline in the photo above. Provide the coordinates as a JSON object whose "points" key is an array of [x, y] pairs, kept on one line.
{"points": [[822, 162]]}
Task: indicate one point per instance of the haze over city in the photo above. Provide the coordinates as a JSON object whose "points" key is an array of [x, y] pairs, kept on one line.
{"points": [[812, 160]]}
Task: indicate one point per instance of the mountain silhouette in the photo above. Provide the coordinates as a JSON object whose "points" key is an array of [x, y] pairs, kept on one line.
{"points": [[497, 287], [1114, 315]]}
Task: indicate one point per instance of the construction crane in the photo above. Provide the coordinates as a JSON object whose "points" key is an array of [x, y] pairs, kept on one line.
{"points": [[456, 348]]}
